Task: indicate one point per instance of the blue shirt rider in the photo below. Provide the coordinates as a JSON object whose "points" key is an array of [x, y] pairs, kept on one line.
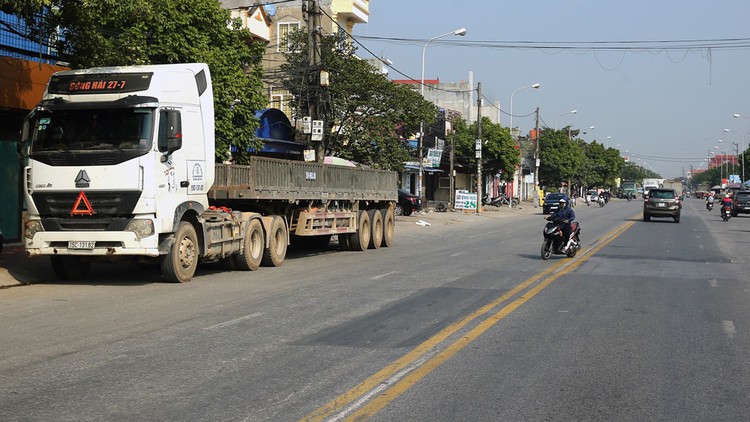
{"points": [[567, 215]]}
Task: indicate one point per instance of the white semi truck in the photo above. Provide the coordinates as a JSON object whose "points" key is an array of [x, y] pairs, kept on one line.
{"points": [[121, 165]]}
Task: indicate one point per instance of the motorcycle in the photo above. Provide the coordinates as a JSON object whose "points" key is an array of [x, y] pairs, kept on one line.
{"points": [[726, 210], [709, 206], [499, 201], [554, 240], [601, 201]]}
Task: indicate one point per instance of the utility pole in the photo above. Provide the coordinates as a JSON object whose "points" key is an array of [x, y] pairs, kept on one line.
{"points": [[316, 78], [451, 176], [536, 153], [479, 147]]}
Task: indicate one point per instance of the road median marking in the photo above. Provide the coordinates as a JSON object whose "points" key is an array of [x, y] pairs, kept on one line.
{"points": [[374, 393]]}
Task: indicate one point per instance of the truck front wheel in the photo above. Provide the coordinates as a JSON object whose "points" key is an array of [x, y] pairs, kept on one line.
{"points": [[249, 258], [274, 255], [179, 264], [70, 267]]}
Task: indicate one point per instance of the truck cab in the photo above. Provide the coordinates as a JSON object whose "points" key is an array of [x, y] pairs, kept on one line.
{"points": [[117, 157]]}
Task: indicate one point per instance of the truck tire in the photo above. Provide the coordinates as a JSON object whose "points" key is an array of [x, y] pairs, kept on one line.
{"points": [[360, 240], [376, 228], [70, 267], [344, 241], [389, 226], [251, 254], [274, 255], [179, 264]]}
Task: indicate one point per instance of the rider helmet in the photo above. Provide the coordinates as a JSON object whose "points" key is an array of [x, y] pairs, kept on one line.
{"points": [[562, 201]]}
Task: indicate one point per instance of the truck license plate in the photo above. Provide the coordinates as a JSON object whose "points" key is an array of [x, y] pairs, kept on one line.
{"points": [[81, 244]]}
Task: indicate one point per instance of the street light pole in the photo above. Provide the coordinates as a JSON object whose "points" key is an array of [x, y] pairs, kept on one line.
{"points": [[535, 86], [460, 32], [520, 175], [741, 147]]}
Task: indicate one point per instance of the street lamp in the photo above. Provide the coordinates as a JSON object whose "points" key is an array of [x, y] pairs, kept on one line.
{"points": [[535, 86], [520, 175], [459, 32], [560, 115], [740, 155]]}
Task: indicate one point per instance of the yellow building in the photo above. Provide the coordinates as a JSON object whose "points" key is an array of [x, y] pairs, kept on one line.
{"points": [[271, 24]]}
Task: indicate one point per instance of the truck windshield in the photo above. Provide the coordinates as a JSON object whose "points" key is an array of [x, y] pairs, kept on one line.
{"points": [[121, 129]]}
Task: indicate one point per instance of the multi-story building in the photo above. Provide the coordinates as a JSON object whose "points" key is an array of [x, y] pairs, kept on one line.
{"points": [[283, 18]]}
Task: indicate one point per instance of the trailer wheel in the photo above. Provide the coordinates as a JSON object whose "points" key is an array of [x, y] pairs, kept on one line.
{"points": [[344, 242], [376, 228], [251, 254], [274, 255], [360, 240], [70, 267], [389, 226], [179, 264]]}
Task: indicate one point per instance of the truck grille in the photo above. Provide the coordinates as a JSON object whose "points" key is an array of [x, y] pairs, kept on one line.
{"points": [[103, 204]]}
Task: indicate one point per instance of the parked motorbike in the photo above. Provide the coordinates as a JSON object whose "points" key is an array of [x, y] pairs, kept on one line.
{"points": [[726, 212], [554, 240], [499, 201]]}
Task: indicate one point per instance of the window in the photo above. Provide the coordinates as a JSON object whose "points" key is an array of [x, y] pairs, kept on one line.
{"points": [[282, 35], [281, 101], [663, 194]]}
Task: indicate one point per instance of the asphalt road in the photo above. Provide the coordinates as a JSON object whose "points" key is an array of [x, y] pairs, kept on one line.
{"points": [[459, 321]]}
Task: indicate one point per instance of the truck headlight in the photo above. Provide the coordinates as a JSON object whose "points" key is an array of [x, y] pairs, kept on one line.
{"points": [[141, 228], [31, 227]]}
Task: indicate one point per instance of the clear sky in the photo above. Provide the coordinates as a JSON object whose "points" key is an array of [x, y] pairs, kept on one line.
{"points": [[666, 107]]}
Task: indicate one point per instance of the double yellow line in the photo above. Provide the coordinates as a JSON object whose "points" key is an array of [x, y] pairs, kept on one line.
{"points": [[374, 393]]}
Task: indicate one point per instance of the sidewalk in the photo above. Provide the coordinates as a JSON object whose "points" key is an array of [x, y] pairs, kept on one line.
{"points": [[17, 269]]}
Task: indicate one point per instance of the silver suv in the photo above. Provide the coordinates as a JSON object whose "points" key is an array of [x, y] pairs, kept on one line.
{"points": [[661, 202]]}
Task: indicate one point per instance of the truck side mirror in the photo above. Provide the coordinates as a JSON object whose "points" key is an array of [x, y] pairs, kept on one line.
{"points": [[170, 132], [174, 131]]}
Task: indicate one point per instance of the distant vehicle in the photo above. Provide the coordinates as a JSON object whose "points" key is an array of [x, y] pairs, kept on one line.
{"points": [[407, 203], [552, 201], [651, 184], [662, 203], [741, 203], [628, 187]]}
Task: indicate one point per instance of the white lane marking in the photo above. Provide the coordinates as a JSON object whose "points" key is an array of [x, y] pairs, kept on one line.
{"points": [[378, 277], [713, 282], [233, 321], [384, 385], [457, 254], [728, 327]]}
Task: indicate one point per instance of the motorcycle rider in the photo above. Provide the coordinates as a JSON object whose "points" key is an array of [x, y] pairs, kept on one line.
{"points": [[726, 204], [566, 215]]}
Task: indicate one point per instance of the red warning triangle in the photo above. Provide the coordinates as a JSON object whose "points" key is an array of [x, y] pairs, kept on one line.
{"points": [[86, 210]]}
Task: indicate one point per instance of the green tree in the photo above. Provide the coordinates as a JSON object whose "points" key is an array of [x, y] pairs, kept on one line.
{"points": [[499, 154], [561, 158], [361, 107], [114, 33], [601, 165]]}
